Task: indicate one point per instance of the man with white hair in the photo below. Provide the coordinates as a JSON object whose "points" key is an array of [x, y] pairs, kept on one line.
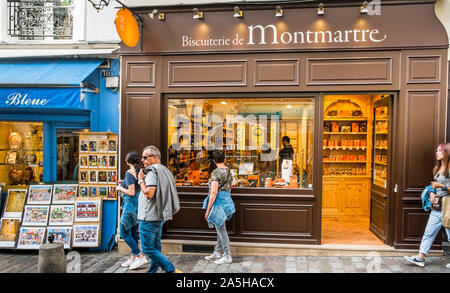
{"points": [[158, 201]]}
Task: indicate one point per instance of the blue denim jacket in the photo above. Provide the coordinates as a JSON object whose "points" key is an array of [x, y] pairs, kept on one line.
{"points": [[130, 203], [222, 209], [426, 203]]}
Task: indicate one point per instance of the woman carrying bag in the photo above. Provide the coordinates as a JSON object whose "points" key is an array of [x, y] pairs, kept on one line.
{"points": [[441, 183], [219, 208]]}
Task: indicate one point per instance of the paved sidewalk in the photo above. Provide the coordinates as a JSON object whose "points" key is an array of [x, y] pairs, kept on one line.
{"points": [[109, 262]]}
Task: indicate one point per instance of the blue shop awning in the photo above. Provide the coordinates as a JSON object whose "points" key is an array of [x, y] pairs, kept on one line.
{"points": [[46, 72], [45, 84]]}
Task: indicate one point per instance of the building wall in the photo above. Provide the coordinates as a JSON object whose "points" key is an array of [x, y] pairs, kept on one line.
{"points": [[442, 9]]}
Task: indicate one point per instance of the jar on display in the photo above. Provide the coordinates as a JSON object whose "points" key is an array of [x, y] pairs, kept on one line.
{"points": [[15, 140]]}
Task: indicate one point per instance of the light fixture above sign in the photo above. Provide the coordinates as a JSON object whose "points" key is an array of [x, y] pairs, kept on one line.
{"points": [[237, 12], [321, 9], [364, 8], [99, 4], [156, 13], [279, 11], [197, 14]]}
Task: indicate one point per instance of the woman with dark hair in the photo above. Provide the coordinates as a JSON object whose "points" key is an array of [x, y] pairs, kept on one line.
{"points": [[441, 184], [219, 208], [128, 221]]}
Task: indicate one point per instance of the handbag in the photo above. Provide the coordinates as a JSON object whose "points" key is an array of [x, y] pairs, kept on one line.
{"points": [[446, 211]]}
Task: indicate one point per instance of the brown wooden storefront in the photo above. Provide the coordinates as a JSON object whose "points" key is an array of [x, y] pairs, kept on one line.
{"points": [[361, 55]]}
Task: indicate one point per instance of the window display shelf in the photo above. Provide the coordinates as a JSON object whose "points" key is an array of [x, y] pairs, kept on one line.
{"points": [[361, 133], [381, 163], [21, 150], [362, 162], [20, 164], [331, 118], [344, 148], [381, 133]]}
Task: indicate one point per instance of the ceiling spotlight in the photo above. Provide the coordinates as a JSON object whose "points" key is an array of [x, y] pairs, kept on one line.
{"points": [[197, 14], [155, 13], [237, 12], [321, 9], [364, 8], [279, 11]]}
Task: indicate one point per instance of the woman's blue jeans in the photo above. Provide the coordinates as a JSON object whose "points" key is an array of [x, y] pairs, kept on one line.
{"points": [[434, 225], [131, 238], [151, 233]]}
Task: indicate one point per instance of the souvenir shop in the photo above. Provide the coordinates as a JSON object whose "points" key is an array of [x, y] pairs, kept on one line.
{"points": [[58, 117], [321, 113]]}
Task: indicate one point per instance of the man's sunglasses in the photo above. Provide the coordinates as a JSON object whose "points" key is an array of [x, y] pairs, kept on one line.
{"points": [[145, 157]]}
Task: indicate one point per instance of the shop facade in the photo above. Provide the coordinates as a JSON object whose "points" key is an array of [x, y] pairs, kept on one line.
{"points": [[352, 92], [45, 104]]}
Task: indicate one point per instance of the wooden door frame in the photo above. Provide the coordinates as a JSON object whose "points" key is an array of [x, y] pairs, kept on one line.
{"points": [[394, 153]]}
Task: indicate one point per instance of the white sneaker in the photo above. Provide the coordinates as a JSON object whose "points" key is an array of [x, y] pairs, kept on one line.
{"points": [[138, 262], [448, 266], [415, 260], [213, 256], [226, 258], [126, 264]]}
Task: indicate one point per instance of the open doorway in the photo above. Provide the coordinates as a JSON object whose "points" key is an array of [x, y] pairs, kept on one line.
{"points": [[356, 164]]}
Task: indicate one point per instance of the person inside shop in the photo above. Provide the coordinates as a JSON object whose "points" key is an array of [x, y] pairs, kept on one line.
{"points": [[76, 156], [220, 208], [128, 221], [158, 202], [441, 185], [287, 152], [268, 161]]}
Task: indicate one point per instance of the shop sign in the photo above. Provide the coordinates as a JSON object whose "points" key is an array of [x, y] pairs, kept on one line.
{"points": [[40, 98]]}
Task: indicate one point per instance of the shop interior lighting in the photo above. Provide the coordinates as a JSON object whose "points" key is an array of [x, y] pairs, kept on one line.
{"points": [[223, 102], [156, 13], [197, 14], [321, 9], [237, 12], [279, 11], [364, 8]]}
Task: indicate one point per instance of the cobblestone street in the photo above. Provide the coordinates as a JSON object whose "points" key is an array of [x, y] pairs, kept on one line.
{"points": [[109, 262]]}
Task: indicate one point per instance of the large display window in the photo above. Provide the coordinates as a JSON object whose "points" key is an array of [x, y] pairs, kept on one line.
{"points": [[268, 143], [21, 153]]}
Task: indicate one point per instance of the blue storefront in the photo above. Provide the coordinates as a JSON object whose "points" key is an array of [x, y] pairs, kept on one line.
{"points": [[44, 103]]}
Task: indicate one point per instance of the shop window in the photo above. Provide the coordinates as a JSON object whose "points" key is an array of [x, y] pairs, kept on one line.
{"points": [[21, 153], [67, 155], [268, 143]]}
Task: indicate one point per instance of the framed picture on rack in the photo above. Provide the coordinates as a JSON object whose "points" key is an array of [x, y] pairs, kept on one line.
{"points": [[93, 147], [112, 177], [102, 146], [93, 161], [84, 176], [112, 192], [84, 191], [61, 235], [9, 230], [92, 176], [102, 177], [103, 191], [112, 162], [64, 193], [93, 191], [61, 215], [84, 163], [103, 161], [14, 203], [87, 235], [88, 210], [112, 146], [35, 215], [39, 194], [31, 237], [84, 146]]}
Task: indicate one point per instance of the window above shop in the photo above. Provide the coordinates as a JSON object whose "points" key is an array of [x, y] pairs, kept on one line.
{"points": [[40, 20], [268, 143]]}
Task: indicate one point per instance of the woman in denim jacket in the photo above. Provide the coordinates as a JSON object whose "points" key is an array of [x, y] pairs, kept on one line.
{"points": [[128, 221], [441, 183], [219, 208]]}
